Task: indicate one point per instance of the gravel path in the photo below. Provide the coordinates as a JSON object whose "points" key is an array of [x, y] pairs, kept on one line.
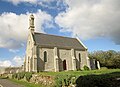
{"points": [[7, 83]]}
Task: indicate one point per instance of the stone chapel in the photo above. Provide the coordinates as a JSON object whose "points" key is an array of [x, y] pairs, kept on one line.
{"points": [[46, 52]]}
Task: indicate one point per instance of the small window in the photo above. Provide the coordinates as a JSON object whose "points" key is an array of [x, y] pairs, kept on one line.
{"points": [[79, 57], [45, 56]]}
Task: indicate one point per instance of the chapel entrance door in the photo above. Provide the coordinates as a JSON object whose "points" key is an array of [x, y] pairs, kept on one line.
{"points": [[64, 65]]}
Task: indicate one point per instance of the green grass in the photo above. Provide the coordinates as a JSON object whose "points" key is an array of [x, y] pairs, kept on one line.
{"points": [[80, 73], [26, 84]]}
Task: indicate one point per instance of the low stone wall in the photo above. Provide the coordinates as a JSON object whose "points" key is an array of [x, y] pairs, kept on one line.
{"points": [[45, 80]]}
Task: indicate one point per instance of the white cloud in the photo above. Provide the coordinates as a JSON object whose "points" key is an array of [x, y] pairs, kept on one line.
{"points": [[42, 18], [40, 2], [91, 19], [17, 61], [58, 4], [5, 63], [52, 4], [14, 62], [14, 51], [15, 2], [14, 28]]}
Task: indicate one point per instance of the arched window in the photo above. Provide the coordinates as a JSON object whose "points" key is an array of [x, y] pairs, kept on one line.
{"points": [[45, 56], [79, 57]]}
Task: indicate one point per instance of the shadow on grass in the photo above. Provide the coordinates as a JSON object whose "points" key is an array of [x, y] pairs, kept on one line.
{"points": [[103, 80]]}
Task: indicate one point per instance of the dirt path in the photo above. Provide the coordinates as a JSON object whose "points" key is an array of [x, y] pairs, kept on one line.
{"points": [[7, 83]]}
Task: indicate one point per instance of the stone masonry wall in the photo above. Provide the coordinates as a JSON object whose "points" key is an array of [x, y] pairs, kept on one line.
{"points": [[65, 55], [49, 65], [40, 79], [84, 60]]}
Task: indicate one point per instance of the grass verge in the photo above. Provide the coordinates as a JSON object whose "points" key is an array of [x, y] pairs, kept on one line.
{"points": [[80, 73], [26, 84]]}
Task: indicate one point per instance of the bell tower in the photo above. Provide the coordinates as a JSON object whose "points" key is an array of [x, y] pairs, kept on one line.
{"points": [[31, 23]]}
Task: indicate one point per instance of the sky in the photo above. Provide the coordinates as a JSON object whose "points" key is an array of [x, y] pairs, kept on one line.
{"points": [[95, 22]]}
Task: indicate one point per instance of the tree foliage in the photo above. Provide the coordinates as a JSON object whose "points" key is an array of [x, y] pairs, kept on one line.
{"points": [[109, 59]]}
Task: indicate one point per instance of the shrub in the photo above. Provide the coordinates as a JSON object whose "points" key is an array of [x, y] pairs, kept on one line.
{"points": [[64, 80], [21, 75], [86, 67], [28, 76], [58, 81], [14, 76], [103, 80], [18, 75]]}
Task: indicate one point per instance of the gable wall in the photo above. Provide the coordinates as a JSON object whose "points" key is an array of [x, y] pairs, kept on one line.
{"points": [[28, 57]]}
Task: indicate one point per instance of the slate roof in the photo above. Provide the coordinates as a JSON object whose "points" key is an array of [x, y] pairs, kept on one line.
{"points": [[57, 41]]}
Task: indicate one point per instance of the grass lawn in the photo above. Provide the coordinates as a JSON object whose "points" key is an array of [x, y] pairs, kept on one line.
{"points": [[80, 73], [26, 84]]}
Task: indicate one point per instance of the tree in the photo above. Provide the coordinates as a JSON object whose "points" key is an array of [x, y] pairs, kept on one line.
{"points": [[109, 59]]}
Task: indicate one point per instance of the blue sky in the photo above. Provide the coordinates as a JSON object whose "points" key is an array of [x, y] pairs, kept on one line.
{"points": [[95, 22]]}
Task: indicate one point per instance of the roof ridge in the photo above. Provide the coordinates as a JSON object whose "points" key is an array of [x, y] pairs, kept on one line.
{"points": [[56, 35]]}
